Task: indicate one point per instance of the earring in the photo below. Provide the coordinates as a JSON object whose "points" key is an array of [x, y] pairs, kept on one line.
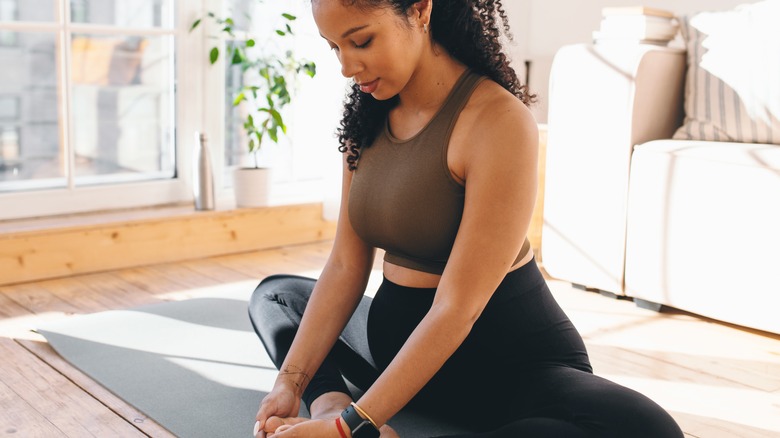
{"points": [[425, 27]]}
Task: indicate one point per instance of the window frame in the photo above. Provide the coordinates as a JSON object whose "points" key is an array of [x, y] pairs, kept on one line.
{"points": [[189, 67]]}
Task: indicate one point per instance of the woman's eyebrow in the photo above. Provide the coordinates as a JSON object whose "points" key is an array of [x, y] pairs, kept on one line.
{"points": [[350, 31], [353, 30]]}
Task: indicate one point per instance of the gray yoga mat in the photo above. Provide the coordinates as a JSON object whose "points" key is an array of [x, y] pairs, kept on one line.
{"points": [[194, 366]]}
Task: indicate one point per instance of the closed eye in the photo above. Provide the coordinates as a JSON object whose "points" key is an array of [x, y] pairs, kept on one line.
{"points": [[364, 45]]}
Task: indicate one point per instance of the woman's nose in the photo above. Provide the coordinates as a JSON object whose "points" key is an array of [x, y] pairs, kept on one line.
{"points": [[349, 66]]}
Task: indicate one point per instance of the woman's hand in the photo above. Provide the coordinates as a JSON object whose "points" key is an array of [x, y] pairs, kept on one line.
{"points": [[281, 403]]}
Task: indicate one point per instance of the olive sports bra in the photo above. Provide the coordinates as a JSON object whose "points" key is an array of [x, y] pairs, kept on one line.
{"points": [[403, 197]]}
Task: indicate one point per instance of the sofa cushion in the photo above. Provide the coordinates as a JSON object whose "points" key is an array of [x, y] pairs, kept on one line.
{"points": [[765, 156], [733, 78], [702, 229]]}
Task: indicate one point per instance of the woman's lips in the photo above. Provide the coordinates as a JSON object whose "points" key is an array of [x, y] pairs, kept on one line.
{"points": [[369, 87]]}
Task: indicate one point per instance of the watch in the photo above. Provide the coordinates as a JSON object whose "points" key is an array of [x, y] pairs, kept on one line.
{"points": [[359, 426]]}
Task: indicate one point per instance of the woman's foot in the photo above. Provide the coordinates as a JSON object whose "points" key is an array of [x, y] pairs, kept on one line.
{"points": [[329, 405], [273, 423], [387, 432]]}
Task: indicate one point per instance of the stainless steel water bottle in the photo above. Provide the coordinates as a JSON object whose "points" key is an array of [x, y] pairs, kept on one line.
{"points": [[202, 175]]}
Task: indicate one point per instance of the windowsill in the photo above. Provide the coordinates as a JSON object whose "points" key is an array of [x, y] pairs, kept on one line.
{"points": [[53, 223], [284, 194]]}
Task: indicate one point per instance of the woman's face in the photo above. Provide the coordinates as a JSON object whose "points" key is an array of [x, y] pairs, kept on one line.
{"points": [[377, 48]]}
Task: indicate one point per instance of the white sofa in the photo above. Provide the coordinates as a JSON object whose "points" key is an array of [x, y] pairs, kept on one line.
{"points": [[632, 212]]}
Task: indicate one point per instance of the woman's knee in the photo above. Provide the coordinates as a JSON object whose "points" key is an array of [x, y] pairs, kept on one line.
{"points": [[630, 413], [286, 291]]}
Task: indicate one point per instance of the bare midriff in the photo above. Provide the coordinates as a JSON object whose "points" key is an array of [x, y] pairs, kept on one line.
{"points": [[408, 277]]}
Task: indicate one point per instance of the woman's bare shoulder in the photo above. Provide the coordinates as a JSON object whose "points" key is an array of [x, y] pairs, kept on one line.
{"points": [[494, 121], [495, 118], [493, 107]]}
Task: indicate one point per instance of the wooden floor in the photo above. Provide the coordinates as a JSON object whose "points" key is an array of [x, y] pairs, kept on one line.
{"points": [[716, 380]]}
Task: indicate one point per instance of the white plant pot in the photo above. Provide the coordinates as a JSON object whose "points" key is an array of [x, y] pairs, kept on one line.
{"points": [[252, 186]]}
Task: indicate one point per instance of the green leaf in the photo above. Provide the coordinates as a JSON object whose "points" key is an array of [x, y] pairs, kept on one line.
{"points": [[280, 32], [250, 43], [278, 119], [251, 145], [273, 135], [289, 17], [214, 55], [230, 21], [195, 24], [237, 56], [289, 29], [240, 98]]}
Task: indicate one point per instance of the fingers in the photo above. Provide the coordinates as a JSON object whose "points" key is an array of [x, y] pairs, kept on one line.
{"points": [[272, 424], [280, 430], [266, 411], [283, 428], [262, 413], [278, 403]]}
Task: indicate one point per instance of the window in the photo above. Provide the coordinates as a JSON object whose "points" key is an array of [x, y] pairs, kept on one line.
{"points": [[99, 101], [88, 105]]}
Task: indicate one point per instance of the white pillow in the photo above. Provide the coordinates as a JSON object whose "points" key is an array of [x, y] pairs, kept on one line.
{"points": [[732, 88]]}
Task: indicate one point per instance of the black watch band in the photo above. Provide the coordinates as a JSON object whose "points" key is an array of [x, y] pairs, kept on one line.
{"points": [[359, 426]]}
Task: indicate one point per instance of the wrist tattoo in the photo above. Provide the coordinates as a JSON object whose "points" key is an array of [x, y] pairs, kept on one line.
{"points": [[292, 370]]}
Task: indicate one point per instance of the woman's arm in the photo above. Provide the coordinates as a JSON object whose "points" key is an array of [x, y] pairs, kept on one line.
{"points": [[333, 301], [500, 174]]}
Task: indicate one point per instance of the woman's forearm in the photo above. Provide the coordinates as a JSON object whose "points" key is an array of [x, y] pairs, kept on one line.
{"points": [[434, 340], [333, 301]]}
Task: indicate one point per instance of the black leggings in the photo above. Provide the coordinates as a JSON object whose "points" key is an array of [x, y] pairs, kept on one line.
{"points": [[523, 371]]}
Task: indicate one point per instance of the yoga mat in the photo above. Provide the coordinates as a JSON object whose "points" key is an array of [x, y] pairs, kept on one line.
{"points": [[195, 366]]}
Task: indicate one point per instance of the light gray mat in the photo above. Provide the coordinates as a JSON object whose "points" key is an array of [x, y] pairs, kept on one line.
{"points": [[194, 366]]}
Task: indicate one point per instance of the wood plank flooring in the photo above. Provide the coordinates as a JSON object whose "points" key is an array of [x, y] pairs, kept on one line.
{"points": [[717, 380]]}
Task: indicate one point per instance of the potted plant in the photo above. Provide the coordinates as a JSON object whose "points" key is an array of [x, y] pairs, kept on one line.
{"points": [[269, 74]]}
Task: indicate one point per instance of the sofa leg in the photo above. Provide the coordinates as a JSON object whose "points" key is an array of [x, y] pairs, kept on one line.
{"points": [[609, 294], [644, 304], [585, 288]]}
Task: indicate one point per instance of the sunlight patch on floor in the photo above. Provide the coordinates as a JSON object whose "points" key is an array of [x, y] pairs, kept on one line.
{"points": [[232, 375], [237, 288], [737, 405], [21, 327]]}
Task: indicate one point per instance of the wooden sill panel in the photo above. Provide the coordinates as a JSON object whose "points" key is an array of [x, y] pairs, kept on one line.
{"points": [[79, 249]]}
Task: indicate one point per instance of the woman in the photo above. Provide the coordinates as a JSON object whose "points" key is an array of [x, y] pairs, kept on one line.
{"points": [[440, 171]]}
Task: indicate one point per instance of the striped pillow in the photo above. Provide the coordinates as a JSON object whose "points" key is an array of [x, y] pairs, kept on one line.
{"points": [[732, 88]]}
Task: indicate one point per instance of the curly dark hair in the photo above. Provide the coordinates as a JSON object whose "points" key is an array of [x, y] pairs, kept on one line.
{"points": [[468, 29]]}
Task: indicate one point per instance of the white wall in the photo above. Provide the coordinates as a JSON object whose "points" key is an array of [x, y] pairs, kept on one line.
{"points": [[541, 27]]}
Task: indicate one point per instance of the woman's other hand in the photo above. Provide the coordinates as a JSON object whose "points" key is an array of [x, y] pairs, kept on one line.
{"points": [[279, 407]]}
